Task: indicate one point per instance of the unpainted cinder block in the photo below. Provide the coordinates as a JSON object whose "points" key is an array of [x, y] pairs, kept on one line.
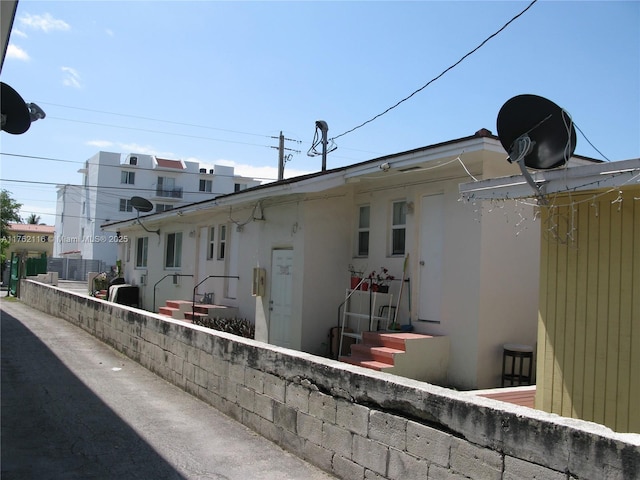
{"points": [[309, 427], [322, 406], [516, 469], [406, 467], [345, 468], [475, 462], [370, 454], [353, 417], [388, 429]]}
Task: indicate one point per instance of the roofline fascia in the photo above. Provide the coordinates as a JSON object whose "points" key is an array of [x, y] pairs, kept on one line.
{"points": [[572, 179], [427, 154]]}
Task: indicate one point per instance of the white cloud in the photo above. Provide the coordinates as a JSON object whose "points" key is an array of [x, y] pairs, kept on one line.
{"points": [[14, 51], [18, 33], [109, 32], [72, 77], [265, 173], [144, 149], [45, 22], [99, 143]]}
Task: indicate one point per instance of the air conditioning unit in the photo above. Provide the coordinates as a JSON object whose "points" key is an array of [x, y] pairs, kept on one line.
{"points": [[143, 279], [133, 160]]}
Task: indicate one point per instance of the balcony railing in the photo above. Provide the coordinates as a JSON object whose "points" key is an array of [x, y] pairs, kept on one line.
{"points": [[169, 192]]}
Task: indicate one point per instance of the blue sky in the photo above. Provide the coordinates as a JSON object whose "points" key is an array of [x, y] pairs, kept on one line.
{"points": [[214, 81]]}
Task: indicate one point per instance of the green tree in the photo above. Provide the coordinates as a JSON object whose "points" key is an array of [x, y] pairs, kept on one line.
{"points": [[9, 209], [33, 219]]}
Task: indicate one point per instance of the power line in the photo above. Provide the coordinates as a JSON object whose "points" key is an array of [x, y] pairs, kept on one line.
{"points": [[154, 119], [125, 165], [106, 187], [441, 74], [157, 131]]}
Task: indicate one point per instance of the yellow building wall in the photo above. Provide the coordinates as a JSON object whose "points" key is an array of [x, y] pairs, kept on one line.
{"points": [[29, 242], [589, 317]]}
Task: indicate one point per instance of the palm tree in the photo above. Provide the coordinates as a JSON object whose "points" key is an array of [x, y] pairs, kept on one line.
{"points": [[33, 219]]}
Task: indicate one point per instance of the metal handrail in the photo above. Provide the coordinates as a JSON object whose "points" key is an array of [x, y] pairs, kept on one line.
{"points": [[156, 284], [193, 297], [357, 287]]}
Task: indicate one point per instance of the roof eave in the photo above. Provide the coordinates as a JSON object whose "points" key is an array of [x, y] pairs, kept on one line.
{"points": [[573, 179]]}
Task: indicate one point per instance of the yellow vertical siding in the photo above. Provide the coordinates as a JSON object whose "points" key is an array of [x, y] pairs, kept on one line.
{"points": [[589, 315]]}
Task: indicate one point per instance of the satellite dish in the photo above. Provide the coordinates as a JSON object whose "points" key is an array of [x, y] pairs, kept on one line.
{"points": [[15, 113], [549, 128], [141, 204]]}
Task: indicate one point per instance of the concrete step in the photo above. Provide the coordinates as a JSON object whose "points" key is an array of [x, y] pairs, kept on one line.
{"points": [[379, 354], [391, 340], [168, 311], [190, 316], [182, 305], [365, 362]]}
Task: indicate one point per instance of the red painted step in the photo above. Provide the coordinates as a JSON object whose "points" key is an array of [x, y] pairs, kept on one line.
{"points": [[365, 362], [190, 316], [167, 311], [379, 354], [177, 304]]}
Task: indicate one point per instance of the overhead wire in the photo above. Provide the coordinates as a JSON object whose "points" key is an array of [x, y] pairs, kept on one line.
{"points": [[199, 137], [140, 117], [124, 165], [451, 67]]}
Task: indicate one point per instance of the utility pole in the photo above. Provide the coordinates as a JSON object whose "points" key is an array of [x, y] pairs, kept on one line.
{"points": [[281, 157]]}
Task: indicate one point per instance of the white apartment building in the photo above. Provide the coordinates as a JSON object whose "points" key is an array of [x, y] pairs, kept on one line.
{"points": [[109, 180]]}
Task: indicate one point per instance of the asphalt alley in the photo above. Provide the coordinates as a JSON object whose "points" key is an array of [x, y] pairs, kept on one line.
{"points": [[74, 408]]}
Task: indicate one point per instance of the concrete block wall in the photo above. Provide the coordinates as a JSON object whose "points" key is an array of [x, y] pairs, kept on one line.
{"points": [[352, 422]]}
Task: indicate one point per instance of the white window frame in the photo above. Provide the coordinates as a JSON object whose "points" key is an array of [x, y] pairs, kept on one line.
{"points": [[211, 243], [398, 225], [127, 178], [165, 207], [173, 240], [125, 205], [205, 185], [222, 241], [362, 229], [142, 252]]}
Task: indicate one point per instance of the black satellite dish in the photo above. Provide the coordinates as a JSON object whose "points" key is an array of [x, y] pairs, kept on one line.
{"points": [[548, 127], [15, 113], [141, 204], [537, 133]]}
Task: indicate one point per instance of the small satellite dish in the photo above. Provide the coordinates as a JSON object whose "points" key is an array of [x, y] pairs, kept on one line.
{"points": [[549, 129], [141, 204], [15, 113]]}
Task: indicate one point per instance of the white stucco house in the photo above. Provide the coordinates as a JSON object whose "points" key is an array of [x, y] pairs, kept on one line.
{"points": [[109, 180], [304, 232]]}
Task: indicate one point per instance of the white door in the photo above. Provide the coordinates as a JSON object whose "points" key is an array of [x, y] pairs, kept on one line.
{"points": [[280, 328], [431, 250]]}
